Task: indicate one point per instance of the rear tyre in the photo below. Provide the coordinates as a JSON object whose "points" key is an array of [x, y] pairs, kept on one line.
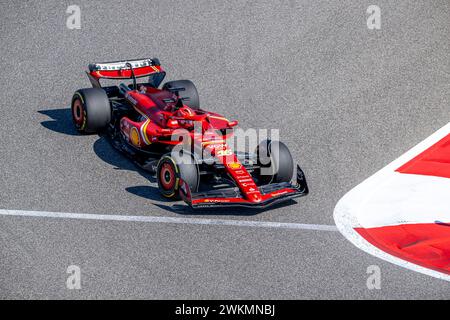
{"points": [[171, 168], [275, 161], [189, 92], [91, 111]]}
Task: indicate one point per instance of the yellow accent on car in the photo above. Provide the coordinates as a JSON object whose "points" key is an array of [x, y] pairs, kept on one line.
{"points": [[169, 195], [79, 95], [234, 165], [144, 132], [83, 125], [206, 143], [134, 136]]}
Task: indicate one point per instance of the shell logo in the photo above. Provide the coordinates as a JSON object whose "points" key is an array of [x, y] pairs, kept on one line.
{"points": [[134, 136], [234, 165]]}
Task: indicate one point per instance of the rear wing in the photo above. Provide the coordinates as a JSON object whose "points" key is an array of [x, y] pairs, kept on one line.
{"points": [[121, 70]]}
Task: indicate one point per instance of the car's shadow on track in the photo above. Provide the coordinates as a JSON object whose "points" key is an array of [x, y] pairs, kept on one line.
{"points": [[62, 123], [178, 207], [148, 192], [105, 151]]}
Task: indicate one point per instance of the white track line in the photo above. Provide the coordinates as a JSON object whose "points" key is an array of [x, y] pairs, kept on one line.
{"points": [[177, 220]]}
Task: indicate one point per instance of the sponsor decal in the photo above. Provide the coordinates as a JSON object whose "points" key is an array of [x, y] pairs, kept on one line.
{"points": [[134, 137], [109, 66], [234, 166], [246, 184], [215, 200], [276, 194]]}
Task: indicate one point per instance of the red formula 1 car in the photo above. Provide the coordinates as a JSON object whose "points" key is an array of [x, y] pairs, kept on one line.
{"points": [[166, 132]]}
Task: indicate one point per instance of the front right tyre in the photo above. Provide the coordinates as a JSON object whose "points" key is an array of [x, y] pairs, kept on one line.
{"points": [[190, 92], [275, 162]]}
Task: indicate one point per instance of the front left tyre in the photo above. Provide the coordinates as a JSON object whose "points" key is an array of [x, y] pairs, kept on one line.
{"points": [[91, 110], [173, 168]]}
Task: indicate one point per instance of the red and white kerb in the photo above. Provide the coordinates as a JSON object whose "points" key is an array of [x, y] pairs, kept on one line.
{"points": [[402, 213]]}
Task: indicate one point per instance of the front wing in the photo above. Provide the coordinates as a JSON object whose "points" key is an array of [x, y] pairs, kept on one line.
{"points": [[232, 197]]}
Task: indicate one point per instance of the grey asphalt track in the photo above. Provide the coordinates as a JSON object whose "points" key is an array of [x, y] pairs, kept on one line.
{"points": [[348, 100]]}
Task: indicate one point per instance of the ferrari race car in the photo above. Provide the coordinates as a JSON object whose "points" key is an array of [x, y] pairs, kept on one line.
{"points": [[165, 131]]}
